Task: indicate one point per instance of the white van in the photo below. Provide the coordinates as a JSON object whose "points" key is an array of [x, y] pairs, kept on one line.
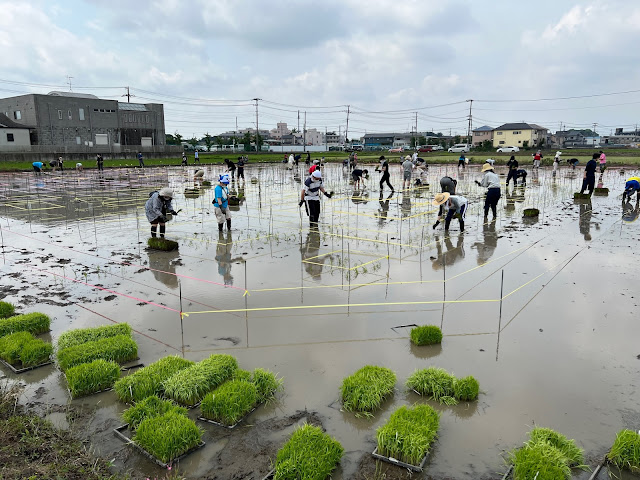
{"points": [[459, 147]]}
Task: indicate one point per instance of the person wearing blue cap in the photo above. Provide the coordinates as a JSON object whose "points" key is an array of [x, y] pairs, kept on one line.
{"points": [[221, 204]]}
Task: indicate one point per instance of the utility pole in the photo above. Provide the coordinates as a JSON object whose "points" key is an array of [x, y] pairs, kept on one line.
{"points": [[346, 131], [416, 129], [325, 139], [257, 127], [304, 133], [469, 128], [128, 95], [298, 120], [235, 132], [69, 81]]}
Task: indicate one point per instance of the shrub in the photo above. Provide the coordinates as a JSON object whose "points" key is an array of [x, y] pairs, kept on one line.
{"points": [[625, 452], [310, 454], [158, 243], [466, 388], [88, 378], [29, 322], [148, 408], [541, 461], [365, 390], [426, 335], [435, 382], [148, 380], [84, 335], [120, 349], [568, 448], [188, 386], [409, 433], [22, 348], [168, 436], [7, 309], [229, 402]]}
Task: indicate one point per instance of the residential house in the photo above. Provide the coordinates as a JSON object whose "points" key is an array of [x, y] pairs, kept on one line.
{"points": [[482, 134], [520, 135], [13, 135], [387, 139]]}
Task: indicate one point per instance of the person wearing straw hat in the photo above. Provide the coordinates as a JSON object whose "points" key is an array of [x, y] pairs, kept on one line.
{"points": [[492, 183], [220, 202], [157, 208], [456, 204], [310, 196]]}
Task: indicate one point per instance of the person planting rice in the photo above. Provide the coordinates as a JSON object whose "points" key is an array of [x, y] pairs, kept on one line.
{"points": [[157, 208], [79, 167], [231, 168], [536, 159], [492, 182], [490, 161], [184, 159], [589, 177], [140, 160], [310, 196], [314, 167], [573, 162], [520, 174], [462, 161], [556, 162], [630, 187], [220, 202], [357, 175], [513, 168], [241, 163], [407, 170], [384, 168], [38, 167], [198, 175], [456, 204]]}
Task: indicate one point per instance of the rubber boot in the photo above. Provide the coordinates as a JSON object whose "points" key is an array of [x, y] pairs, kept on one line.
{"points": [[162, 229], [228, 224], [462, 226], [154, 228], [220, 225]]}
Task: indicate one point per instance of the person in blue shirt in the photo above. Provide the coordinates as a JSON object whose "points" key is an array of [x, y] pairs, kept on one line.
{"points": [[462, 161], [37, 167], [220, 202], [140, 160], [589, 178], [632, 186]]}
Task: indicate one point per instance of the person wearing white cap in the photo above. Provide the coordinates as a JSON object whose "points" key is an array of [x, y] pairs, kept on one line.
{"points": [[157, 208], [310, 196], [456, 204], [492, 182], [556, 162], [220, 202], [407, 169]]}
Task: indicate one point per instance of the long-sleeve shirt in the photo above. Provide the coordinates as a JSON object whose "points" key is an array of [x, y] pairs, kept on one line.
{"points": [[512, 164], [156, 207], [490, 180], [590, 168]]}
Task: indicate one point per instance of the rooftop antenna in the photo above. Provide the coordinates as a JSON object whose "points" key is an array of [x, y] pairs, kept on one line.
{"points": [[69, 82]]}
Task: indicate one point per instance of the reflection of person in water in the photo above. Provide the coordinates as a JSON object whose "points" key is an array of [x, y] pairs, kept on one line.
{"points": [[359, 196], [452, 255], [164, 266], [405, 206], [310, 250], [488, 246], [383, 211], [223, 257], [629, 211], [584, 222]]}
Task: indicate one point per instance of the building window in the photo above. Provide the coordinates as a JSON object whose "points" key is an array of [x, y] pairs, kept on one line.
{"points": [[146, 118], [10, 137], [81, 113], [96, 110], [131, 117], [517, 132], [499, 133], [78, 140], [501, 142], [124, 118], [17, 115], [59, 114], [69, 115]]}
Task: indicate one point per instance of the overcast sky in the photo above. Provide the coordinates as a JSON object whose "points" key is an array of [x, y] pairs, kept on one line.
{"points": [[391, 56]]}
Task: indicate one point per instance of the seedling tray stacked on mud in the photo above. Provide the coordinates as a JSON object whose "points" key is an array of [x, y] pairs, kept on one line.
{"points": [[119, 349], [21, 352], [34, 323], [156, 243], [601, 192], [365, 390], [94, 377], [405, 440], [443, 387], [531, 212]]}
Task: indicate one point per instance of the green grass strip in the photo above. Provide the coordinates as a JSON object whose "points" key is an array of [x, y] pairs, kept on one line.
{"points": [[29, 322], [168, 436], [7, 309], [22, 349], [625, 452], [310, 454], [79, 336], [367, 388], [88, 378], [150, 407], [119, 349], [231, 401], [426, 335], [148, 380]]}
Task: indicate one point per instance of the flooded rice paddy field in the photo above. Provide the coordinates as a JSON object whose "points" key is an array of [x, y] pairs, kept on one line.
{"points": [[543, 313]]}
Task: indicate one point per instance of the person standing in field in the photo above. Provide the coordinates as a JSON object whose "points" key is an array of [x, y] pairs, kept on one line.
{"points": [[536, 159], [513, 169], [556, 162], [140, 160], [603, 161], [310, 196], [407, 170], [240, 168], [157, 208], [220, 202], [196, 157], [184, 159], [492, 183], [456, 204], [384, 168], [589, 177], [100, 163], [462, 161]]}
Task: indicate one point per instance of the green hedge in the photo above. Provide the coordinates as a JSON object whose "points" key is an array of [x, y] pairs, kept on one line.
{"points": [[22, 349], [119, 349], [79, 336], [29, 322], [88, 378]]}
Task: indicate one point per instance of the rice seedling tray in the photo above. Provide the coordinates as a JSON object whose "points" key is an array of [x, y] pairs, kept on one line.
{"points": [[398, 463], [123, 367], [230, 427], [88, 394], [24, 369], [118, 432], [601, 192]]}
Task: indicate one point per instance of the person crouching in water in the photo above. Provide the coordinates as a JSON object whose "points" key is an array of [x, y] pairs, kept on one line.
{"points": [[157, 208], [357, 175], [310, 196], [492, 182], [456, 204], [220, 202]]}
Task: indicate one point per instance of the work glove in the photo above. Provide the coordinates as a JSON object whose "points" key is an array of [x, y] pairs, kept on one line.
{"points": [[300, 203], [478, 183], [436, 224], [328, 195], [173, 212]]}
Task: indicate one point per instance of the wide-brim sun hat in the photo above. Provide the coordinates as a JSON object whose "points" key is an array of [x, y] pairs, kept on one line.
{"points": [[408, 157], [166, 192], [316, 174], [440, 198], [486, 167]]}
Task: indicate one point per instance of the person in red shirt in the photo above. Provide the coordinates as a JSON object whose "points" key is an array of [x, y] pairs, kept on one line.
{"points": [[536, 159], [314, 167]]}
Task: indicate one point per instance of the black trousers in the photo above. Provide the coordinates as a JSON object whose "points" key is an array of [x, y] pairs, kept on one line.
{"points": [[385, 178], [314, 210], [240, 173], [589, 183], [512, 174], [491, 200]]}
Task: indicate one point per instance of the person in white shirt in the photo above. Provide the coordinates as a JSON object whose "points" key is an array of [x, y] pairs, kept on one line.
{"points": [[456, 204], [492, 182]]}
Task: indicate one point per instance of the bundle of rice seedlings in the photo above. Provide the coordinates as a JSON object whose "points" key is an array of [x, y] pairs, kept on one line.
{"points": [[7, 309], [120, 349], [434, 382], [188, 386], [79, 336], [365, 390], [581, 196], [168, 436], [11, 346], [466, 388], [409, 433], [531, 212], [267, 384], [310, 454], [206, 183], [625, 452], [22, 349], [426, 335], [241, 374], [148, 380], [541, 461], [88, 378], [36, 352], [229, 402], [568, 448], [148, 408], [29, 322], [157, 243]]}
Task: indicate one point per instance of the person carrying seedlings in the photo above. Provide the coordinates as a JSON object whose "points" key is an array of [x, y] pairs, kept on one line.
{"points": [[157, 208], [100, 162], [240, 168], [37, 167], [536, 159], [462, 161], [357, 175], [384, 168], [632, 186], [407, 170], [512, 164], [140, 160], [589, 177], [310, 196], [492, 182], [231, 168], [456, 204], [220, 202], [603, 161]]}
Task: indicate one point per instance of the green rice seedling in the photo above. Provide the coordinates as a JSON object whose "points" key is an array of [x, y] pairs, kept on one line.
{"points": [[148, 380], [435, 382], [310, 454], [267, 384], [409, 433], [88, 378], [625, 452], [157, 243], [426, 335], [541, 461], [241, 374], [231, 401], [148, 408], [29, 322], [531, 212], [466, 388], [188, 386], [7, 309], [366, 389], [23, 349], [35, 352], [11, 346], [206, 183], [79, 336], [168, 436], [568, 448], [120, 349]]}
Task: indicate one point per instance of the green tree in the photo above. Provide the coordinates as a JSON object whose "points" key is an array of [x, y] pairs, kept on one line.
{"points": [[219, 142], [259, 141], [294, 130], [413, 142], [193, 142], [246, 140], [170, 139], [422, 140], [178, 138], [208, 141], [525, 144]]}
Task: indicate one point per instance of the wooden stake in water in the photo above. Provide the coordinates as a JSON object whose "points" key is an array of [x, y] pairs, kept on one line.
{"points": [[246, 303]]}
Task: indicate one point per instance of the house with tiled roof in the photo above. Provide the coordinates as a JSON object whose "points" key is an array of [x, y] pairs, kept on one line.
{"points": [[481, 134], [519, 135]]}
